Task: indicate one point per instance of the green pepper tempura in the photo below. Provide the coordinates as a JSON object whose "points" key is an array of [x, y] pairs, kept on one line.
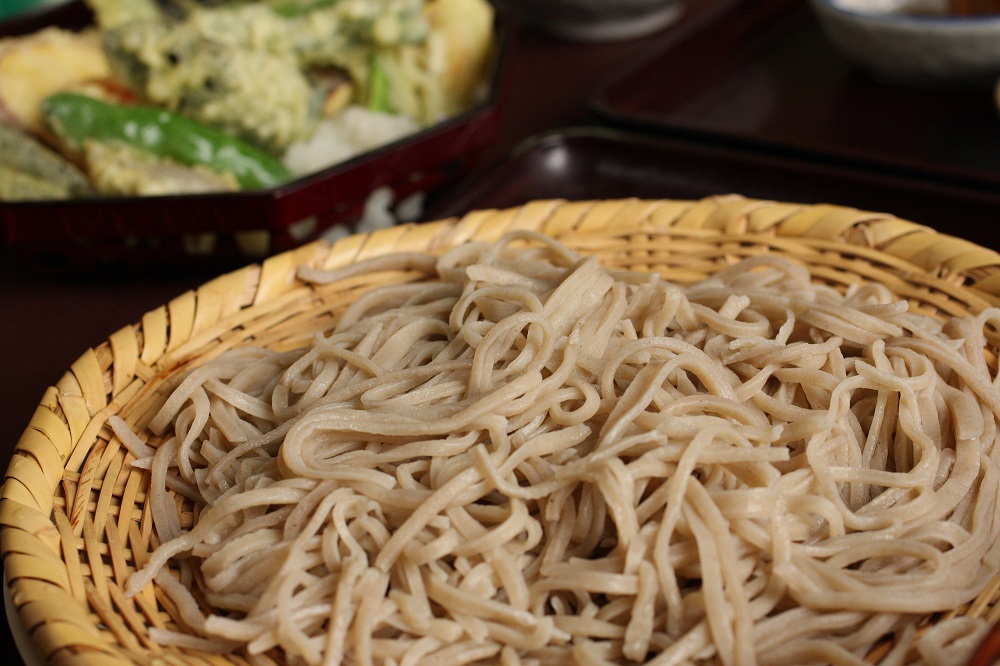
{"points": [[77, 119]]}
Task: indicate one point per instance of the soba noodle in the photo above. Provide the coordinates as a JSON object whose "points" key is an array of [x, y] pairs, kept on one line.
{"points": [[527, 458]]}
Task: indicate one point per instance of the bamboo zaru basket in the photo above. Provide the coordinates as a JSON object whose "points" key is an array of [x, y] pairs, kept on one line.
{"points": [[74, 520]]}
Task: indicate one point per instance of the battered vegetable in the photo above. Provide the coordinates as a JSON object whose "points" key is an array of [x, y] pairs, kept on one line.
{"points": [[30, 170], [37, 65], [76, 119], [111, 13], [258, 95], [120, 170], [245, 68], [20, 186]]}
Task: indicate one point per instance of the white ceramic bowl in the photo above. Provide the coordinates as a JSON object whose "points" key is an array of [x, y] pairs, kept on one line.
{"points": [[913, 49], [599, 20]]}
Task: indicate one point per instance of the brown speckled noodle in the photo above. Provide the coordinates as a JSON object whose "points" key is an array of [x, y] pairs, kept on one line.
{"points": [[74, 519]]}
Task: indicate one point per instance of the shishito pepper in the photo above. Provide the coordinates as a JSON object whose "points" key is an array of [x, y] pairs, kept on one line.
{"points": [[76, 118]]}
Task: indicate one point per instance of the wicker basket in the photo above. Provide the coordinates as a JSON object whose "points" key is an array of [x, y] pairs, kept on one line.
{"points": [[74, 523]]}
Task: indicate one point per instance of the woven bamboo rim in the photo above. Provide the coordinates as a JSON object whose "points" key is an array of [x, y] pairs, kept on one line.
{"points": [[73, 523]]}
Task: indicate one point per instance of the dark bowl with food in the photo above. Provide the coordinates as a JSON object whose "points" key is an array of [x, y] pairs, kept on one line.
{"points": [[184, 150]]}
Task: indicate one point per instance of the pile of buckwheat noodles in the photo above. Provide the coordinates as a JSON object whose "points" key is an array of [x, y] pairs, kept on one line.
{"points": [[526, 458]]}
